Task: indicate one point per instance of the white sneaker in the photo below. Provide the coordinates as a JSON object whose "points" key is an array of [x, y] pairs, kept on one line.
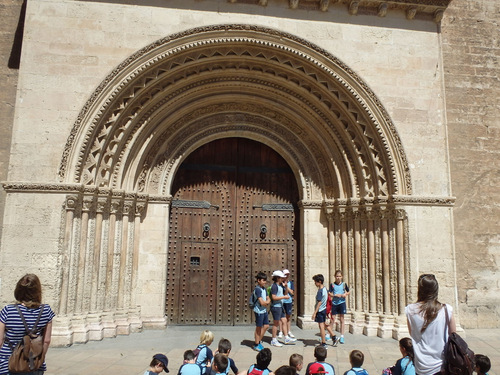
{"points": [[280, 335], [289, 340], [275, 342], [290, 334], [327, 337]]}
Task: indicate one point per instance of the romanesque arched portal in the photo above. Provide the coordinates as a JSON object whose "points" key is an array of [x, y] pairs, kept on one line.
{"points": [[189, 89]]}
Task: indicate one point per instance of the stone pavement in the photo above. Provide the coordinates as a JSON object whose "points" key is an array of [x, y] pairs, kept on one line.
{"points": [[132, 354]]}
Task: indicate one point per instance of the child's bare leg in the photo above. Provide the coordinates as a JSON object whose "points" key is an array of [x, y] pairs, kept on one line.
{"points": [[329, 329], [332, 325], [263, 331], [322, 332], [276, 324], [284, 326], [341, 318]]}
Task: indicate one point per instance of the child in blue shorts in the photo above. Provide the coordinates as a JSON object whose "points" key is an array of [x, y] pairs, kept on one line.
{"points": [[319, 315], [338, 292], [288, 303], [260, 310], [278, 294]]}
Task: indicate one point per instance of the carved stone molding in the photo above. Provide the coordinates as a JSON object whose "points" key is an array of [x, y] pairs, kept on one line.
{"points": [[121, 115], [425, 9]]}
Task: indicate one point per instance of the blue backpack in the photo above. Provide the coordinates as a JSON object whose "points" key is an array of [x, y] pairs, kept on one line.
{"points": [[252, 300]]}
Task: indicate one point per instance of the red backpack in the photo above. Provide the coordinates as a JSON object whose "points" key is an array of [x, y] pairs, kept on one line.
{"points": [[328, 304], [253, 370]]}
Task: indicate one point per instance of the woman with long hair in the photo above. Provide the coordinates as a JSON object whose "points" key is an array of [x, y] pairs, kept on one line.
{"points": [[427, 326], [28, 294]]}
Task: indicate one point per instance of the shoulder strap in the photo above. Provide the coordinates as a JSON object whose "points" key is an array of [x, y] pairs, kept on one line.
{"points": [[24, 320], [447, 322]]}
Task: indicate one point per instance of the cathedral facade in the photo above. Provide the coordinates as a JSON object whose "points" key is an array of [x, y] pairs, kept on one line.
{"points": [[160, 154]]}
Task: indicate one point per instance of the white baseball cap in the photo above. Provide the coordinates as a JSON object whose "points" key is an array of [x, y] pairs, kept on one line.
{"points": [[286, 272], [278, 273]]}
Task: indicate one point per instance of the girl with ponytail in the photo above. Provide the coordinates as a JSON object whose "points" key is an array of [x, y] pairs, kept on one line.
{"points": [[428, 326]]}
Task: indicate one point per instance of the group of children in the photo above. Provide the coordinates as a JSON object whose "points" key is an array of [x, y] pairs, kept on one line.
{"points": [[202, 361], [280, 297], [329, 303]]}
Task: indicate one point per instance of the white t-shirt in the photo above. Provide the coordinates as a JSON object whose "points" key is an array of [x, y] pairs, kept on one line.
{"points": [[428, 346]]}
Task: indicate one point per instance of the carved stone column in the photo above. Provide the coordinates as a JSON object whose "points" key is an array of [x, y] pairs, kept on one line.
{"points": [[108, 317], [71, 203], [371, 317], [386, 269], [83, 254], [331, 244], [358, 261], [134, 311]]}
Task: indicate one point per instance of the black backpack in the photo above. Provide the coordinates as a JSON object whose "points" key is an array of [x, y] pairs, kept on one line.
{"points": [[458, 358]]}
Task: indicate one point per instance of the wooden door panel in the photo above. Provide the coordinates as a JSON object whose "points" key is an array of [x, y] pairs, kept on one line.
{"points": [[238, 177], [199, 268], [268, 257]]}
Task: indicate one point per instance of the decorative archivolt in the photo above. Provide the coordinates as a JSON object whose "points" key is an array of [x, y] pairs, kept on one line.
{"points": [[154, 92], [255, 122]]}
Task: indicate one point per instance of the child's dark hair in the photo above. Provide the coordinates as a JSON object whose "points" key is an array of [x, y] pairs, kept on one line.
{"points": [[407, 345], [286, 370], [356, 357], [155, 362], [320, 353], [261, 276], [295, 360], [224, 346], [264, 358], [189, 355], [483, 363], [220, 362], [319, 278]]}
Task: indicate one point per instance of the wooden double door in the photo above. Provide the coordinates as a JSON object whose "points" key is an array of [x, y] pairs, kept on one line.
{"points": [[233, 214]]}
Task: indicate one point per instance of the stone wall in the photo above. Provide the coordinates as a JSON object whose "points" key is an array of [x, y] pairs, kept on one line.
{"points": [[471, 49], [67, 57], [9, 56]]}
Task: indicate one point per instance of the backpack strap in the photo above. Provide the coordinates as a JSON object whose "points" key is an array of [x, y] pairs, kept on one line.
{"points": [[447, 322], [28, 331]]}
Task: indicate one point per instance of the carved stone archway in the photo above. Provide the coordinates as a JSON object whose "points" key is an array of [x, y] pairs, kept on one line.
{"points": [[232, 81]]}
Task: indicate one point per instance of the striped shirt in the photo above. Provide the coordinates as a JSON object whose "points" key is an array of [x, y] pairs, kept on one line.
{"points": [[14, 329]]}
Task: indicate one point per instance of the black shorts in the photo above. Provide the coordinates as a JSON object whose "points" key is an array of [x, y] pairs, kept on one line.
{"points": [[288, 308], [339, 309], [320, 316]]}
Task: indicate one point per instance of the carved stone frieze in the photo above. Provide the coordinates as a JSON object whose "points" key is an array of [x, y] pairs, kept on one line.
{"points": [[122, 114], [424, 8]]}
